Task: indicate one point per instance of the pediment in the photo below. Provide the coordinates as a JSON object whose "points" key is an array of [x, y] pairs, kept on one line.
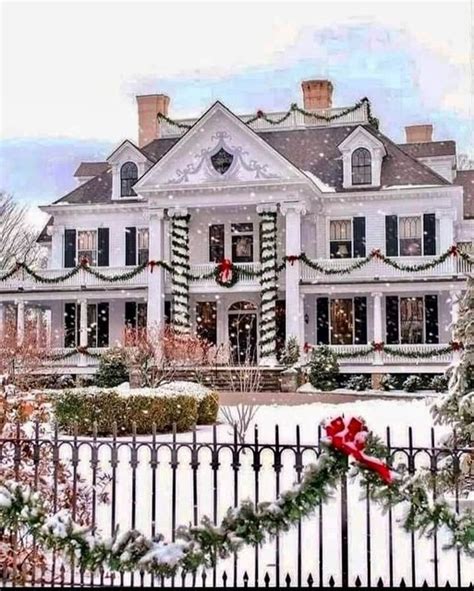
{"points": [[361, 138], [127, 151], [219, 150]]}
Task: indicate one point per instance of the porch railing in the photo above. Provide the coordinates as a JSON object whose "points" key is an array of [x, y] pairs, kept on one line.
{"points": [[376, 269]]}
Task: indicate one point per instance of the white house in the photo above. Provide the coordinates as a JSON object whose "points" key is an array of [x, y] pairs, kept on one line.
{"points": [[249, 229]]}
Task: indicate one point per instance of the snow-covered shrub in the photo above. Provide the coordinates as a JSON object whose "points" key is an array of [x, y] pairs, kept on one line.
{"points": [[181, 403], [323, 369], [413, 384], [291, 353], [113, 368], [358, 382], [439, 383], [388, 382]]}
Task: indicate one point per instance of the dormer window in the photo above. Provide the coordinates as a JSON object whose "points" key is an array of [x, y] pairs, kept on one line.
{"points": [[361, 167], [128, 177]]}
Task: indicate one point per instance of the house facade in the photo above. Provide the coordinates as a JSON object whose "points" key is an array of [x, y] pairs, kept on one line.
{"points": [[247, 230]]}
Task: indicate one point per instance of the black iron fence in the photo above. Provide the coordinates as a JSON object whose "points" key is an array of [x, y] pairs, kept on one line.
{"points": [[156, 483]]}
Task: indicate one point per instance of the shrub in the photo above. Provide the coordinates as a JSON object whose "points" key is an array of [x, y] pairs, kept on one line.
{"points": [[439, 383], [113, 368], [359, 382], [388, 382], [291, 353], [323, 369], [181, 403], [412, 384]]}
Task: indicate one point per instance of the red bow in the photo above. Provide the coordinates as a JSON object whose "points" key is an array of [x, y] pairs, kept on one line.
{"points": [[378, 346], [260, 114], [349, 436], [453, 250], [225, 267], [81, 349], [376, 254], [152, 265], [456, 345], [84, 262], [307, 347], [292, 258]]}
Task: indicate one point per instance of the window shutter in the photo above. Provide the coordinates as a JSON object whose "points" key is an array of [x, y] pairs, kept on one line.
{"points": [[360, 318], [103, 324], [358, 226], [322, 321], [431, 319], [103, 247], [391, 235], [167, 312], [69, 325], [130, 314], [69, 248], [391, 317], [130, 246], [429, 234]]}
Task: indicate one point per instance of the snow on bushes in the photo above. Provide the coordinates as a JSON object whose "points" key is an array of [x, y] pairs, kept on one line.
{"points": [[183, 404]]}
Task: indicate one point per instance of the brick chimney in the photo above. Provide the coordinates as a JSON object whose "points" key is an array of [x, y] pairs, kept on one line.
{"points": [[149, 106], [317, 94], [416, 134]]}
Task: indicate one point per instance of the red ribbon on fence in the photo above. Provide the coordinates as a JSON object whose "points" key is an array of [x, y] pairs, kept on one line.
{"points": [[453, 250], [349, 436], [456, 345], [378, 347], [225, 268], [292, 258]]}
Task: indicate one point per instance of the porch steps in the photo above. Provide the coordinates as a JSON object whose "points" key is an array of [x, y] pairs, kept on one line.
{"points": [[261, 379]]}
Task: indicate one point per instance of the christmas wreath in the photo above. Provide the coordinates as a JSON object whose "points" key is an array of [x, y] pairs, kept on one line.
{"points": [[226, 274]]}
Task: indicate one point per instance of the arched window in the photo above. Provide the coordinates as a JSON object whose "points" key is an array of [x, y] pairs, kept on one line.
{"points": [[128, 177], [361, 167]]}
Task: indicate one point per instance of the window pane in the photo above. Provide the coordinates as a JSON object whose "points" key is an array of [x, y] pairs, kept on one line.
{"points": [[216, 243], [128, 177], [411, 320], [342, 325], [340, 230], [143, 237], [361, 167], [242, 228], [242, 249], [410, 227], [206, 321], [91, 325]]}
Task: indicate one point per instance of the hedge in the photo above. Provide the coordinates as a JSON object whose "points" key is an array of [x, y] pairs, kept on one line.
{"points": [[80, 408]]}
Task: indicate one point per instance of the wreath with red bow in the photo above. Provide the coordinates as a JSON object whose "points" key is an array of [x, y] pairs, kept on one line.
{"points": [[226, 274]]}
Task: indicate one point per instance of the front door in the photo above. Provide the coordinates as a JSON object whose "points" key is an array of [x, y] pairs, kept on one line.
{"points": [[243, 332]]}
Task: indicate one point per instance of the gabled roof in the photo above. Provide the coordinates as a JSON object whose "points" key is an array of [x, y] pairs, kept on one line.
{"points": [[430, 149], [96, 190], [465, 179], [123, 146], [86, 169]]}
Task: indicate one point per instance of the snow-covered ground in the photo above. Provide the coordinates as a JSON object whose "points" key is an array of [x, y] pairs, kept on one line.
{"points": [[214, 491]]}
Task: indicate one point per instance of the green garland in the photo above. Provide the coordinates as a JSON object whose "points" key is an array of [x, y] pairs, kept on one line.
{"points": [[453, 251], [22, 512], [293, 108], [393, 351], [71, 353]]}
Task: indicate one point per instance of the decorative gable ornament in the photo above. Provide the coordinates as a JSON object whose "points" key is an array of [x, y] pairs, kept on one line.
{"points": [[222, 161]]}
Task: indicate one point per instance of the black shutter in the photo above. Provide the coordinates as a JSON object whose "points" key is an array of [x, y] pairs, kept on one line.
{"points": [[322, 321], [360, 320], [431, 319], [69, 325], [359, 237], [103, 324], [167, 312], [429, 234], [130, 246], [391, 318], [391, 235], [103, 247], [130, 314], [69, 248]]}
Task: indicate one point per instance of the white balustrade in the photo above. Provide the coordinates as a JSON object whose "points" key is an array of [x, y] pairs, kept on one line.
{"points": [[423, 348]]}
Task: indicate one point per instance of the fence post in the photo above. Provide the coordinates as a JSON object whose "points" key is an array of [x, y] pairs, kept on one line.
{"points": [[344, 535]]}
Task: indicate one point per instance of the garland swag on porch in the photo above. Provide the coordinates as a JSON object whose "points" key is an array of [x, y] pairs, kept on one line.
{"points": [[22, 512], [268, 281], [180, 274], [392, 351]]}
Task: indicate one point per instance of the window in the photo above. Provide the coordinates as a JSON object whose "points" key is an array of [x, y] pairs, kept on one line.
{"points": [[242, 242], [128, 177], [222, 161], [342, 322], [87, 246], [216, 243], [340, 239], [206, 321], [411, 320], [142, 245], [410, 232], [361, 167]]}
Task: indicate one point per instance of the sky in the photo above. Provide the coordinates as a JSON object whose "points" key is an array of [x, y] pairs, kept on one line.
{"points": [[70, 71]]}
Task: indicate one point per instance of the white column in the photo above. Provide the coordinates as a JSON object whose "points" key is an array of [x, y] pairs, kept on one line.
{"points": [[292, 212], [57, 247], [156, 275], [446, 234], [20, 322], [83, 323], [378, 327]]}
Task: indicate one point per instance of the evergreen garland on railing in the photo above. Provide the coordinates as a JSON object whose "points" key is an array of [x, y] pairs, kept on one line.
{"points": [[294, 108], [392, 351], [22, 512]]}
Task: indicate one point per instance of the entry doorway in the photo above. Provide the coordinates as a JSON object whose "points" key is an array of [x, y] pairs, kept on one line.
{"points": [[242, 327]]}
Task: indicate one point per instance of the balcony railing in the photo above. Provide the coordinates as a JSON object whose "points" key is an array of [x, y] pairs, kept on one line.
{"points": [[377, 269]]}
